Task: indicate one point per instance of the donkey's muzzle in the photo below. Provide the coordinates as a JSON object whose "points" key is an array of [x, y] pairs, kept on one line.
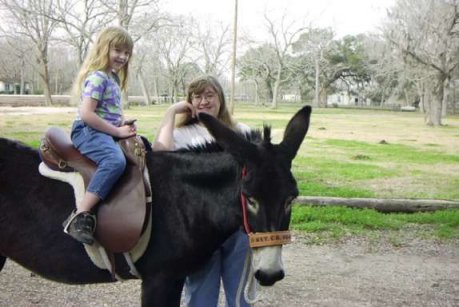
{"points": [[267, 279]]}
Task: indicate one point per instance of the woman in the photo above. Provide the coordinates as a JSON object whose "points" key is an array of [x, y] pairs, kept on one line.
{"points": [[227, 263]]}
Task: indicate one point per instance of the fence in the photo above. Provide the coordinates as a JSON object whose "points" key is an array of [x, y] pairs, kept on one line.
{"points": [[39, 100], [32, 100]]}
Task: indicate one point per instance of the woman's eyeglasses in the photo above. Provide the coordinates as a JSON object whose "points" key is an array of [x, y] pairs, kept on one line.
{"points": [[208, 96]]}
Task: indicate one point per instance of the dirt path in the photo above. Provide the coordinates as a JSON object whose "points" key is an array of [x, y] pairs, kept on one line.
{"points": [[356, 272]]}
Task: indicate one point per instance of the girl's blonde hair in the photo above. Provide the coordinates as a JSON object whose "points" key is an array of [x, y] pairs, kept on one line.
{"points": [[98, 57], [197, 87]]}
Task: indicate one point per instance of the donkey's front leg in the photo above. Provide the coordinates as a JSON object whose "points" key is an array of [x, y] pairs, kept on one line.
{"points": [[2, 261], [160, 291]]}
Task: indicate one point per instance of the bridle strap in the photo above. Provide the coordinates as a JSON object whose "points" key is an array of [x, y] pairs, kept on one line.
{"points": [[259, 239], [244, 206]]}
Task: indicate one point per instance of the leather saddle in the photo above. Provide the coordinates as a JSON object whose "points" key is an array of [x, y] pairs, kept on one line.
{"points": [[122, 217]]}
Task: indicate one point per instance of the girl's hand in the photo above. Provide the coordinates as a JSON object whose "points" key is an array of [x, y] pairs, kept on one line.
{"points": [[126, 131], [129, 122]]}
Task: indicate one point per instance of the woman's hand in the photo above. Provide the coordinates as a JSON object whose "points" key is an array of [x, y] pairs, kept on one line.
{"points": [[183, 107], [164, 137]]}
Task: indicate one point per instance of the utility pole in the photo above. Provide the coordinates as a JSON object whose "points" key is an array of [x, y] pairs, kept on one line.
{"points": [[233, 64]]}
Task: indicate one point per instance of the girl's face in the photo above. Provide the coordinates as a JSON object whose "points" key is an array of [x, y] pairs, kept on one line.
{"points": [[207, 102], [118, 57]]}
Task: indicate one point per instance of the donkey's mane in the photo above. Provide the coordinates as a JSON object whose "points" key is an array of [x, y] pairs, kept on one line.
{"points": [[254, 136]]}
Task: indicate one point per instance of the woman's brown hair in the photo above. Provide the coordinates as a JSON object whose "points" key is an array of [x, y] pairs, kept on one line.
{"points": [[197, 87]]}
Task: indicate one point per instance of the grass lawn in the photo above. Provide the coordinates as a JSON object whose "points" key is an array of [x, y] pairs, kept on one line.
{"points": [[347, 153]]}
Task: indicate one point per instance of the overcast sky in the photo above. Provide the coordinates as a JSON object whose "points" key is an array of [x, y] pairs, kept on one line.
{"points": [[344, 16]]}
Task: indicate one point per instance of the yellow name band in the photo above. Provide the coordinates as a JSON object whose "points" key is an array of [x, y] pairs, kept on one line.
{"points": [[260, 239]]}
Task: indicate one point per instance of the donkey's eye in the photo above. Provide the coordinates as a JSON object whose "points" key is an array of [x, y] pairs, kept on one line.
{"points": [[253, 204]]}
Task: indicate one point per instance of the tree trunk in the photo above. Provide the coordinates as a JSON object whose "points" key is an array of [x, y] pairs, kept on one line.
{"points": [[233, 60], [56, 83], [256, 93], [125, 99], [383, 96], [381, 205], [173, 91], [317, 72], [46, 89], [146, 94], [436, 102], [407, 96], [421, 93], [269, 89], [155, 91], [446, 92], [276, 87], [323, 97], [22, 76]]}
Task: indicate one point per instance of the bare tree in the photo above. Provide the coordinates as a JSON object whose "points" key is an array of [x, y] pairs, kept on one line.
{"points": [[384, 67], [283, 37], [81, 19], [30, 19], [260, 64], [312, 44], [14, 55], [174, 45], [427, 34], [233, 57], [212, 48], [140, 17], [62, 67]]}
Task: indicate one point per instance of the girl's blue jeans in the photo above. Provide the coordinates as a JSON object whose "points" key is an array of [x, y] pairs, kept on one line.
{"points": [[227, 263], [105, 152]]}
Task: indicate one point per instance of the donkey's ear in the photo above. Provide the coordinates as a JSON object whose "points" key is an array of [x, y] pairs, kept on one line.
{"points": [[295, 132], [229, 140]]}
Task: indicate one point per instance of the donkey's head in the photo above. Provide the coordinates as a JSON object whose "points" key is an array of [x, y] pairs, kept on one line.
{"points": [[268, 185]]}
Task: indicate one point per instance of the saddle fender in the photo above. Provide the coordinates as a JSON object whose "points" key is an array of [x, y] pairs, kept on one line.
{"points": [[121, 217]]}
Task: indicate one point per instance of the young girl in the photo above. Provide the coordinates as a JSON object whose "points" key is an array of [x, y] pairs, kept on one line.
{"points": [[99, 121]]}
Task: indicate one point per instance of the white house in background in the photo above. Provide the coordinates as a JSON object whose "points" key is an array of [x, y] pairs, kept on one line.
{"points": [[6, 87], [344, 98], [12, 87], [291, 97]]}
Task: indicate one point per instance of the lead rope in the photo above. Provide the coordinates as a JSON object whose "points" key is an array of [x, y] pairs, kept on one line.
{"points": [[250, 286], [245, 218]]}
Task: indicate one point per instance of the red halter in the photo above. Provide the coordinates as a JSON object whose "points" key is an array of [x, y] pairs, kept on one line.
{"points": [[244, 206]]}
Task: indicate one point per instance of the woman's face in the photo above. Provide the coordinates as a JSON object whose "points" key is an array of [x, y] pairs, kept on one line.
{"points": [[207, 102]]}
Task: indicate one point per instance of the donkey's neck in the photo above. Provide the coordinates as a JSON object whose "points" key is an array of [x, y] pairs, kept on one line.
{"points": [[201, 191]]}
